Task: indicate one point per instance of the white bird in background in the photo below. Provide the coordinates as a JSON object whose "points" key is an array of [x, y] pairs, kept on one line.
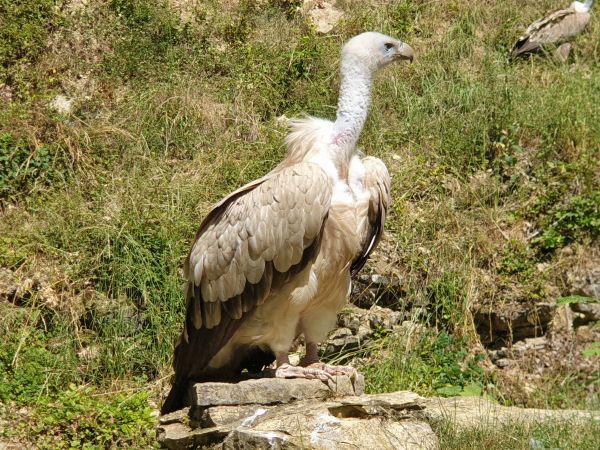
{"points": [[273, 259], [556, 28]]}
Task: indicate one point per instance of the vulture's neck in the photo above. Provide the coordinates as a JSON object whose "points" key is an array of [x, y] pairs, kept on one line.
{"points": [[353, 105], [582, 7]]}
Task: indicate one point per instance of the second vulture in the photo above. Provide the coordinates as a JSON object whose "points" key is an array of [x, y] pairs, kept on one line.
{"points": [[273, 259], [556, 28]]}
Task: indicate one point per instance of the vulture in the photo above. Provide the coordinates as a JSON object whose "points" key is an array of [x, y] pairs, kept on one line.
{"points": [[274, 259], [556, 28]]}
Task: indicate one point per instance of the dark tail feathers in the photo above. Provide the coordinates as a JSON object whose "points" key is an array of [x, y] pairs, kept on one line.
{"points": [[176, 399]]}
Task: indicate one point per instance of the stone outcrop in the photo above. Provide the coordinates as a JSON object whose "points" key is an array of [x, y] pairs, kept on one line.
{"points": [[513, 322], [356, 326], [296, 414], [324, 15], [467, 412], [308, 414], [376, 289], [585, 313]]}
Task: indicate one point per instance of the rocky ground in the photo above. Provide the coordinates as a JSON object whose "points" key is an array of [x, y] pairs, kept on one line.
{"points": [[526, 343], [297, 413]]}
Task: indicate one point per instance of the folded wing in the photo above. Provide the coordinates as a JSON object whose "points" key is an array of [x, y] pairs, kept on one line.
{"points": [[249, 245], [377, 183], [553, 29]]}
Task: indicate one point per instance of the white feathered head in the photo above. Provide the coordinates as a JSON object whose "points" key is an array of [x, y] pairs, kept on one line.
{"points": [[375, 50]]}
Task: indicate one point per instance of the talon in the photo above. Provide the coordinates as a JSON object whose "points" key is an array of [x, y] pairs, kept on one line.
{"points": [[348, 371], [309, 373]]}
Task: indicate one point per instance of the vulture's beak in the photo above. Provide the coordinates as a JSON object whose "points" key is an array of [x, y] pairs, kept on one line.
{"points": [[406, 52]]}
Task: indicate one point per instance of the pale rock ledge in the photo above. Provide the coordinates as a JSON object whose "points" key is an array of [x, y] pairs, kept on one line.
{"points": [[295, 414], [273, 413]]}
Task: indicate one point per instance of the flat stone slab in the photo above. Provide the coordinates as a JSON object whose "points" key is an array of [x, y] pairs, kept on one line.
{"points": [[478, 412], [296, 414], [178, 436], [268, 391], [327, 425], [394, 400]]}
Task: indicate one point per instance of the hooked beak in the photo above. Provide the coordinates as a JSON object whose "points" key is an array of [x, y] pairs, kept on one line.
{"points": [[406, 52]]}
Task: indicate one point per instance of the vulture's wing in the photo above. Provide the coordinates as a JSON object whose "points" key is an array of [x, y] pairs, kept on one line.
{"points": [[377, 183], [554, 28], [249, 245]]}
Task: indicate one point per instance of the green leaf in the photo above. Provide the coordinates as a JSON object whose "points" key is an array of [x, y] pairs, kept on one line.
{"points": [[592, 350], [472, 390], [575, 299], [449, 391]]}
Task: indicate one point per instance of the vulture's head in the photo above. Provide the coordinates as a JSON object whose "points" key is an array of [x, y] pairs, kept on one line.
{"points": [[374, 51]]}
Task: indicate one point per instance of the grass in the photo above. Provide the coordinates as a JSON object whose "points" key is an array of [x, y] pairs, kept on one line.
{"points": [[176, 106], [430, 365], [519, 436]]}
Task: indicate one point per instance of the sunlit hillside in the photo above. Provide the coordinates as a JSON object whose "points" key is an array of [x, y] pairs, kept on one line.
{"points": [[123, 121]]}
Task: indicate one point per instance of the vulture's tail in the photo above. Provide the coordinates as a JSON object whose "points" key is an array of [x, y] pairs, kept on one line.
{"points": [[176, 399]]}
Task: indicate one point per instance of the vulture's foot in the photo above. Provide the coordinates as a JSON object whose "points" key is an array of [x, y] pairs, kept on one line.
{"points": [[332, 370], [311, 373]]}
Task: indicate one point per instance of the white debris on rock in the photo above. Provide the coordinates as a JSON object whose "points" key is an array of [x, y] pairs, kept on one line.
{"points": [[62, 104], [250, 420]]}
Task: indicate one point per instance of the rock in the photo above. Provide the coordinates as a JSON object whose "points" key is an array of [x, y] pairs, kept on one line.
{"points": [[341, 333], [395, 420], [19, 289], [503, 357], [6, 93], [537, 343], [323, 15], [383, 318], [242, 439], [563, 319], [469, 412], [320, 430], [175, 416], [265, 391], [357, 326], [583, 278], [375, 289], [588, 312], [223, 415], [585, 334], [296, 414], [179, 436], [341, 344], [502, 362], [513, 322]]}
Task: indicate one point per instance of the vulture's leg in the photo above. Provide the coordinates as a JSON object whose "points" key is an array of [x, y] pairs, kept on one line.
{"points": [[286, 370], [311, 361], [316, 325], [562, 52]]}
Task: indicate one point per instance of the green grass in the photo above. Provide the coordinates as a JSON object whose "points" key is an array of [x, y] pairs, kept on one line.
{"points": [[566, 435], [433, 365], [176, 107], [25, 27]]}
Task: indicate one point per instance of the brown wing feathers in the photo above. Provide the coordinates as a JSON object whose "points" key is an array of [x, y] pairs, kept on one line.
{"points": [[249, 245], [553, 29], [377, 182]]}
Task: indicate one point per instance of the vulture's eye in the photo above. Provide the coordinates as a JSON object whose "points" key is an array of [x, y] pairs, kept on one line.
{"points": [[388, 46]]}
